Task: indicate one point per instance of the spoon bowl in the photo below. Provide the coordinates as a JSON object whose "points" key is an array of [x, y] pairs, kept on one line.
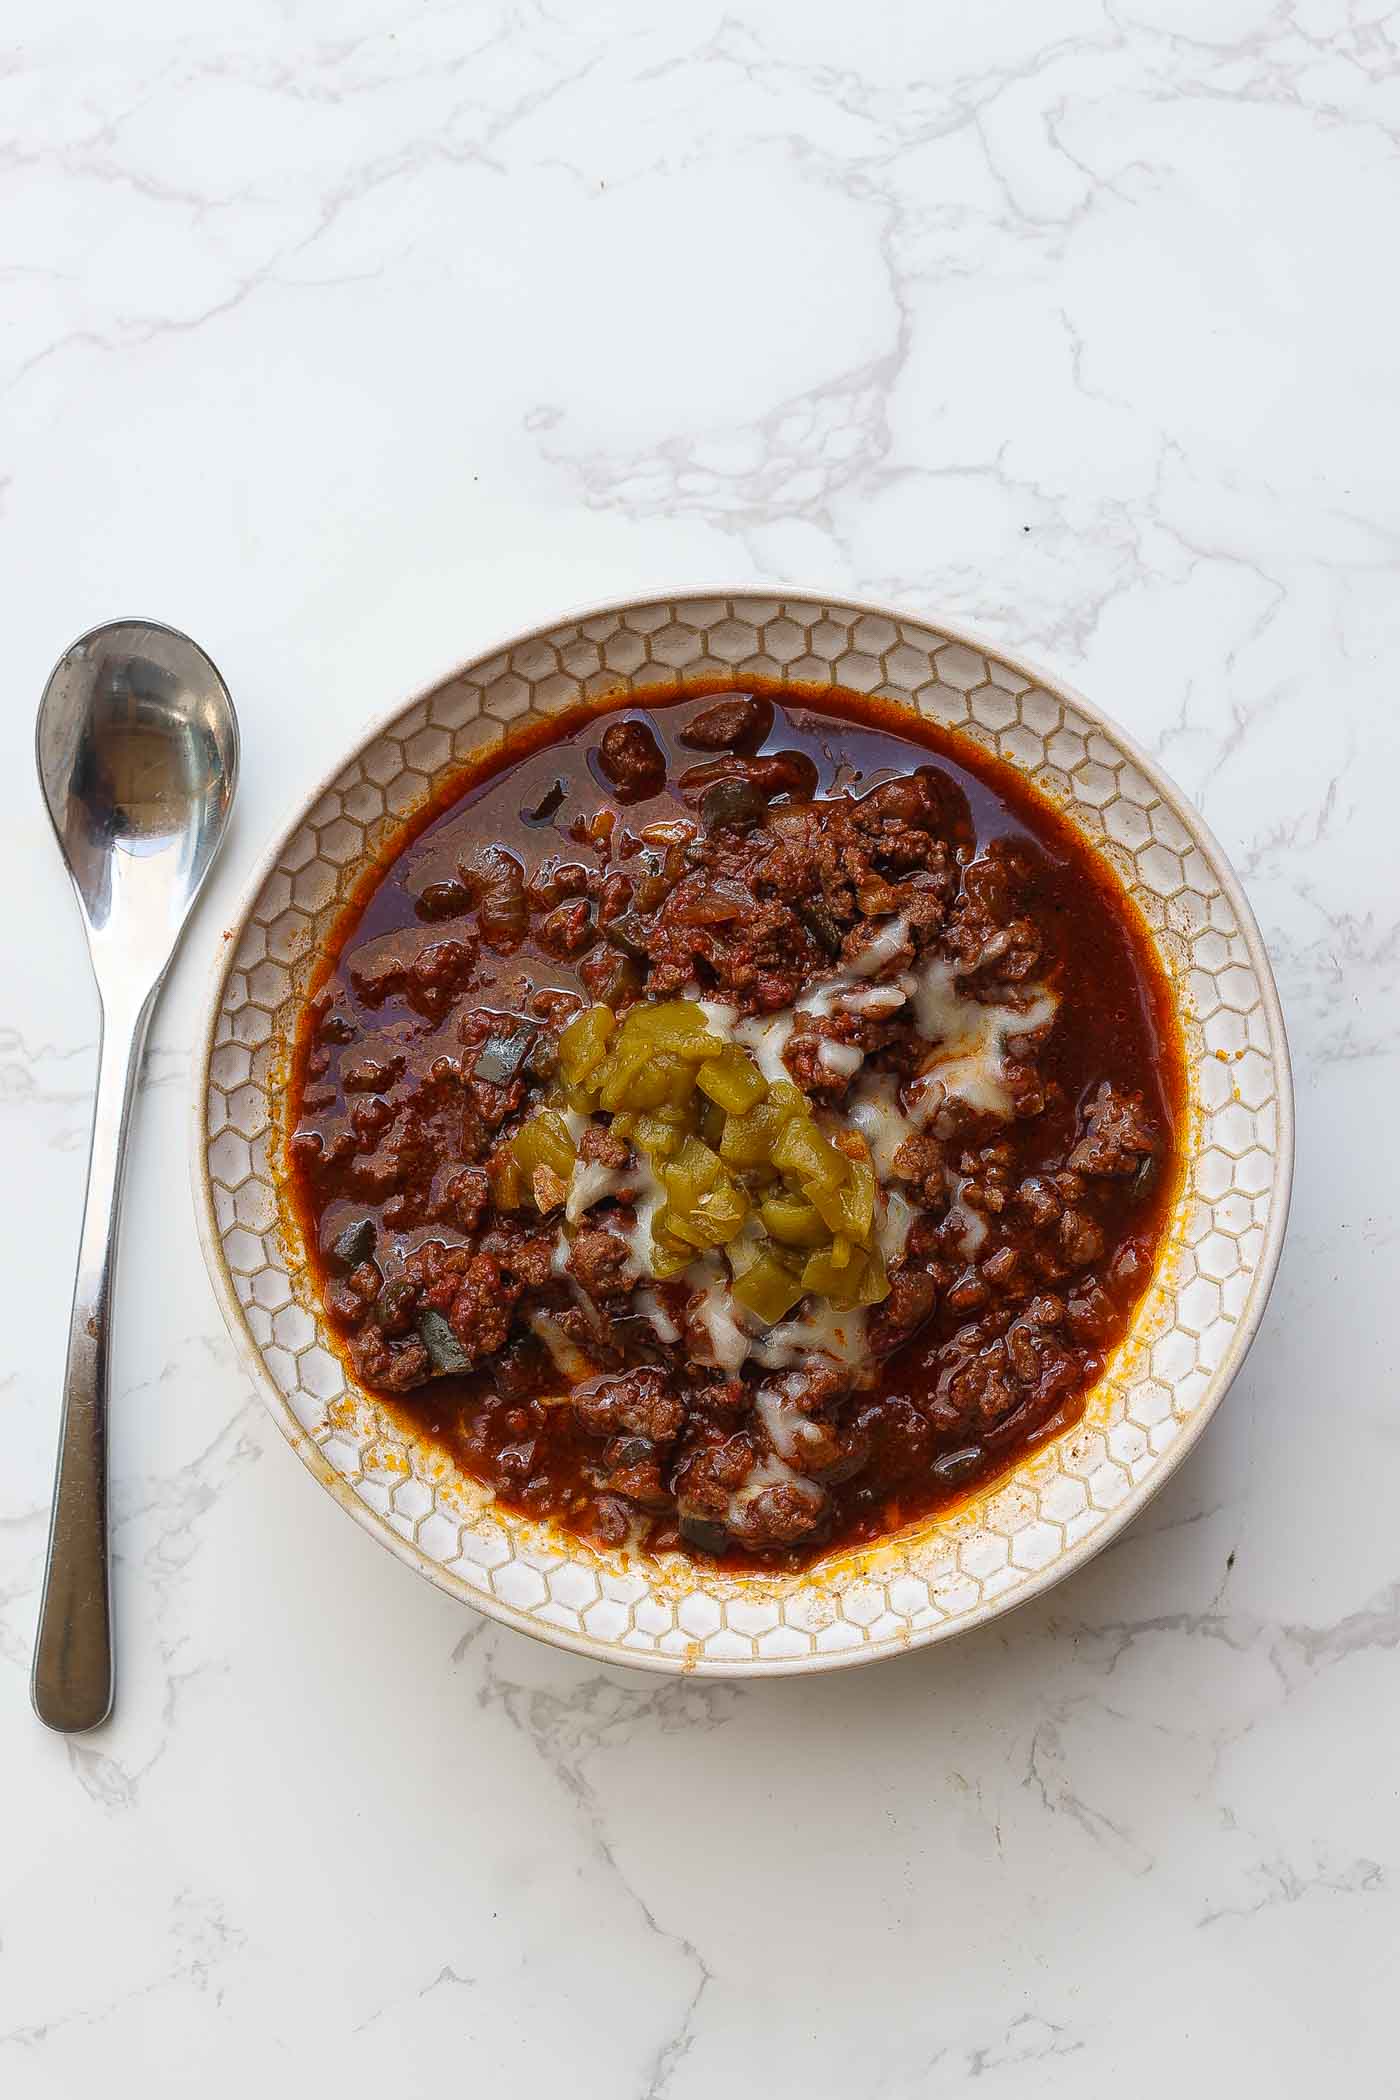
{"points": [[137, 750]]}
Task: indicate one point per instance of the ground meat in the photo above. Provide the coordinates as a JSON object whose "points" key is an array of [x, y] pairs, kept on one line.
{"points": [[1039, 1198], [370, 1075], [394, 1370], [708, 1476], [913, 1295], [1118, 1134], [466, 1197], [630, 1466], [778, 1513], [601, 1262], [398, 1159], [985, 930], [632, 760], [758, 955], [599, 1147], [1090, 1315], [527, 1256], [639, 1403], [480, 1310], [429, 981], [1080, 1240], [920, 1162], [568, 929], [368, 1116]]}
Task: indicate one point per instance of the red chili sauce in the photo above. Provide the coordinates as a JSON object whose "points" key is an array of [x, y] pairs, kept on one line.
{"points": [[899, 965]]}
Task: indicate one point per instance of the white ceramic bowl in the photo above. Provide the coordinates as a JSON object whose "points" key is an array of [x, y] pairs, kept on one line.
{"points": [[1062, 1504]]}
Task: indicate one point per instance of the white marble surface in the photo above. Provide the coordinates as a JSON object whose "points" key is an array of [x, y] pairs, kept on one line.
{"points": [[351, 337]]}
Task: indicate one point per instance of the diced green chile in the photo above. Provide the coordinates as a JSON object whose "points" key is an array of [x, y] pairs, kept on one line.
{"points": [[502, 1054], [355, 1244], [444, 1350]]}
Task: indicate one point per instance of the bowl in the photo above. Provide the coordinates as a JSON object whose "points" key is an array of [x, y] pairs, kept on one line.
{"points": [[1058, 1506]]}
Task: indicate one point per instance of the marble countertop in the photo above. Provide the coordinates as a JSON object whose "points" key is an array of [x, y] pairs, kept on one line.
{"points": [[351, 338]]}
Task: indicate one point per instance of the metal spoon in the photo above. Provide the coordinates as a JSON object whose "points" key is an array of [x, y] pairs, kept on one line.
{"points": [[137, 747]]}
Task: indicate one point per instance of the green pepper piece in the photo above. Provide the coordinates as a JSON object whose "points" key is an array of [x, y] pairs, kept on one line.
{"points": [[355, 1244], [875, 1287], [696, 1168], [669, 1260], [732, 1080], [722, 1212], [676, 1025], [584, 1044], [804, 1154], [839, 1284], [544, 1141], [672, 1234], [795, 1223], [858, 1199], [767, 1289], [445, 1352], [747, 1140], [508, 1189], [712, 1120], [652, 1134]]}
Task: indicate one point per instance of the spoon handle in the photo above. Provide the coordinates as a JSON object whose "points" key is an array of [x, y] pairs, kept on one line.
{"points": [[72, 1682]]}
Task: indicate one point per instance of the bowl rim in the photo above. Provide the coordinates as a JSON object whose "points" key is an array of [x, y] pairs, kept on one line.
{"points": [[1037, 1582]]}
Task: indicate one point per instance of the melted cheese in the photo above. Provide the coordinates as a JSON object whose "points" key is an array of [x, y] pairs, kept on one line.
{"points": [[970, 1225], [590, 1183], [568, 1359], [766, 1037], [892, 1225], [876, 998], [713, 1315], [842, 1060], [788, 1428], [719, 1017], [653, 1311], [888, 943], [968, 1062], [647, 1202], [823, 1330], [877, 1115]]}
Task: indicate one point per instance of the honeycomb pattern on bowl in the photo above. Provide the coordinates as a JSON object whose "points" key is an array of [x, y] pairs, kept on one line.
{"points": [[1061, 1503]]}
